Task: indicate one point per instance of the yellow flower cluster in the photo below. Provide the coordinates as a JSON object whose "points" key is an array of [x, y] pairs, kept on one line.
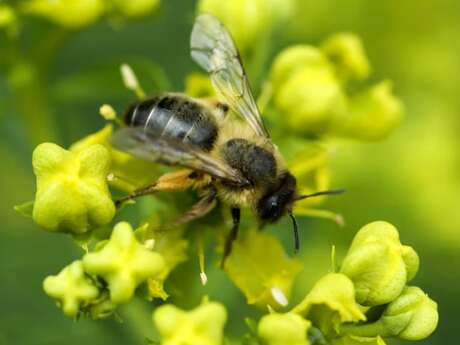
{"points": [[338, 304], [75, 14], [309, 87]]}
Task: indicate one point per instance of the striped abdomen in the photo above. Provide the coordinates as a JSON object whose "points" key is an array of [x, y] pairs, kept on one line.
{"points": [[175, 116]]}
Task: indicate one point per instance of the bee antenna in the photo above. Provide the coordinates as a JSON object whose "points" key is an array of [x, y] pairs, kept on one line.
{"points": [[295, 227], [324, 192]]}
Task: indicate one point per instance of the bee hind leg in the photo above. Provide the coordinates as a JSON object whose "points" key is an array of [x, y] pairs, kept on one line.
{"points": [[236, 216], [173, 181]]}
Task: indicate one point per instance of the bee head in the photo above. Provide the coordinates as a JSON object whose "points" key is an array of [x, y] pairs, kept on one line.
{"points": [[278, 200]]}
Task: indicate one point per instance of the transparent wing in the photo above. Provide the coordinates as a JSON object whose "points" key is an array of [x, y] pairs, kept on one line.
{"points": [[213, 49], [151, 147]]}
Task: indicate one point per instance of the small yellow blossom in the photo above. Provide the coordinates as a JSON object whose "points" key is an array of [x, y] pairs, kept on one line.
{"points": [[331, 302], [373, 114], [346, 52], [135, 8], [124, 263], [72, 193], [283, 329], [263, 279], [411, 316], [71, 288], [249, 21], [202, 326], [306, 90], [73, 14], [378, 264]]}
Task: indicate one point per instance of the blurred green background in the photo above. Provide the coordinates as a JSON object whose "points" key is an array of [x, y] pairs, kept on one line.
{"points": [[412, 179]]}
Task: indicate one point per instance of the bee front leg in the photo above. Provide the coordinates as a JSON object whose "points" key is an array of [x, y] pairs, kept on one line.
{"points": [[236, 216], [205, 205]]}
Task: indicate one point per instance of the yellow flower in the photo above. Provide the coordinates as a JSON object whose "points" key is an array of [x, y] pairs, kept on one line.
{"points": [[135, 8], [306, 90], [263, 279], [72, 14], [373, 114], [202, 326], [72, 193], [283, 329], [346, 52], [378, 264], [71, 288], [124, 263], [411, 316], [249, 21], [330, 302]]}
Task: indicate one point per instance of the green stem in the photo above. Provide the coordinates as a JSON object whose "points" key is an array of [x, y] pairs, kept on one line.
{"points": [[365, 330], [138, 318], [316, 337]]}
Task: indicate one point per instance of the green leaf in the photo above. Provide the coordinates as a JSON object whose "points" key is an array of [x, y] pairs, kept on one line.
{"points": [[25, 209]]}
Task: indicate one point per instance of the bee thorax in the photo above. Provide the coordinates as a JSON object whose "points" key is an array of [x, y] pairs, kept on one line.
{"points": [[255, 163]]}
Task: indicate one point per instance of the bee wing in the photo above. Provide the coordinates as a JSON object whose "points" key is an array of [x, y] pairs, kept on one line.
{"points": [[213, 49], [154, 148]]}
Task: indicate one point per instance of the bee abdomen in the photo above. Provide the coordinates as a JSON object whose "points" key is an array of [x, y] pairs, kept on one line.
{"points": [[255, 163], [175, 116]]}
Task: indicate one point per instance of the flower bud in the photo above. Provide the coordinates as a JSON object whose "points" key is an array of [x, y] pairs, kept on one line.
{"points": [[378, 264], [71, 288], [330, 302], [124, 263], [72, 14], [204, 325], [249, 21], [373, 114], [282, 329], [411, 316], [72, 193], [346, 52], [135, 8], [306, 90]]}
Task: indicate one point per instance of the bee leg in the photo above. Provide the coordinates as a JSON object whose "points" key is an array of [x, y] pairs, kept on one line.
{"points": [[205, 205], [236, 216], [176, 180]]}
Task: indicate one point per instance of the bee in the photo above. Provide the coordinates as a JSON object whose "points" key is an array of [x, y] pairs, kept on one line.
{"points": [[224, 157]]}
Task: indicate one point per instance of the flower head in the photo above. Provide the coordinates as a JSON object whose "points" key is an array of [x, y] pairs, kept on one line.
{"points": [[263, 279], [72, 193], [378, 264], [71, 288], [331, 302], [123, 263], [72, 14], [282, 329], [202, 326]]}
